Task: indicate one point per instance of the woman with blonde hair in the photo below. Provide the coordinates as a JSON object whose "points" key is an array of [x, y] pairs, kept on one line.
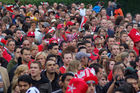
{"points": [[74, 66], [41, 57], [21, 70]]}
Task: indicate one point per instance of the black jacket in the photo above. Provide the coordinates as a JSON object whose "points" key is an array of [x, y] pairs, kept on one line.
{"points": [[43, 85], [54, 83]]}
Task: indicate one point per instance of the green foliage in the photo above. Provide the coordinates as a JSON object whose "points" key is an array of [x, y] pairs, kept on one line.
{"points": [[127, 5]]}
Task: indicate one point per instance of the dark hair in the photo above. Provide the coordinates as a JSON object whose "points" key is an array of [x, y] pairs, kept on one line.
{"points": [[36, 11], [9, 36], [65, 75], [81, 43], [17, 48], [102, 50], [130, 73], [10, 41], [81, 48], [50, 55], [25, 78], [61, 44], [52, 45], [125, 88], [8, 32], [25, 48], [17, 30], [96, 66], [124, 45]]}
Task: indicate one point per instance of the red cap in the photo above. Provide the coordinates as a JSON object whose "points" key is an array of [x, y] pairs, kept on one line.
{"points": [[30, 34], [59, 26], [77, 85], [91, 78], [69, 23], [134, 35]]}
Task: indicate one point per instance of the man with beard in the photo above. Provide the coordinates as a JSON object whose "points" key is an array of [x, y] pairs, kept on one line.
{"points": [[51, 74], [24, 83]]}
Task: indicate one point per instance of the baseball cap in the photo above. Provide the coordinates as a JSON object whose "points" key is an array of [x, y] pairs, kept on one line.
{"points": [[30, 34], [80, 55]]}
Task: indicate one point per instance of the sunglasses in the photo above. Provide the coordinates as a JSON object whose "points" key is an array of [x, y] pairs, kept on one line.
{"points": [[89, 82]]}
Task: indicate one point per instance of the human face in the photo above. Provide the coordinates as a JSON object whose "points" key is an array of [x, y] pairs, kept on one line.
{"points": [[18, 34], [26, 56], [131, 45], [35, 70], [73, 42], [118, 72], [65, 45], [23, 86], [132, 56], [115, 50], [41, 59], [17, 90], [26, 43], [104, 23], [111, 41], [67, 59], [102, 81], [18, 53], [28, 20], [11, 46], [34, 52], [67, 80], [111, 65], [55, 50], [51, 66], [91, 87], [134, 83], [31, 39], [89, 48], [124, 38], [104, 53], [100, 73]]}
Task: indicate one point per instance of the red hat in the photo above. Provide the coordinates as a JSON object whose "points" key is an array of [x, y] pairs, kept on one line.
{"points": [[59, 26], [30, 34], [77, 85], [134, 35], [69, 23], [53, 40], [91, 78]]}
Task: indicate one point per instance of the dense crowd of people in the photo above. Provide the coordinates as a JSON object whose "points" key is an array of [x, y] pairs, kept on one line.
{"points": [[69, 49]]}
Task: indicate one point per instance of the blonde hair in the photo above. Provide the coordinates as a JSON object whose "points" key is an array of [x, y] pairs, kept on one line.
{"points": [[73, 66], [40, 53], [14, 84], [18, 71]]}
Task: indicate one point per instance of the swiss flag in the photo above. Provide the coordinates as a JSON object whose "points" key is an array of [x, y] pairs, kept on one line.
{"points": [[134, 35], [10, 8]]}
